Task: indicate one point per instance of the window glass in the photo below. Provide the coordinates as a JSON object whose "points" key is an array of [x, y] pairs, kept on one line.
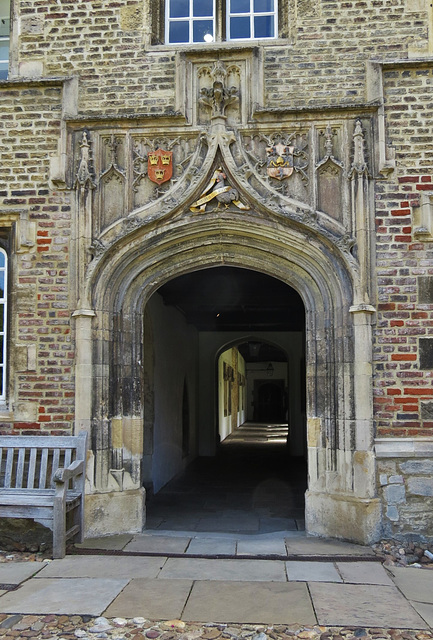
{"points": [[263, 5], [240, 28], [179, 32], [264, 27], [4, 38], [190, 21], [240, 6], [193, 21], [201, 28], [179, 8], [203, 8]]}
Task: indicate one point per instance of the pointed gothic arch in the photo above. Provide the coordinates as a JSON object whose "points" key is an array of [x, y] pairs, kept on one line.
{"points": [[341, 498]]}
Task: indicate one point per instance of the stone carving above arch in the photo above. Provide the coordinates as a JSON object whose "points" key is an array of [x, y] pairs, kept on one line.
{"points": [[330, 174]]}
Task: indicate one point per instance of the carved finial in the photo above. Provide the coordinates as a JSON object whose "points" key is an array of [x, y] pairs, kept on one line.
{"points": [[329, 134], [112, 143], [84, 177], [359, 163]]}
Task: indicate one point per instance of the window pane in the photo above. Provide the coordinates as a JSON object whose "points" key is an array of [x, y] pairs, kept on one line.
{"points": [[2, 259], [263, 5], [4, 50], [201, 28], [179, 32], [203, 8], [1, 350], [2, 317], [240, 28], [2, 284], [3, 71], [264, 27], [1, 381], [240, 6], [179, 8]]}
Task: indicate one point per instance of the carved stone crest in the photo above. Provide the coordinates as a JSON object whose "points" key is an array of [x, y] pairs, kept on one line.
{"points": [[217, 189], [279, 161], [160, 165]]}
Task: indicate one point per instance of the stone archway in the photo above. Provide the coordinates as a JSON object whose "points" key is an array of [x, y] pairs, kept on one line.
{"points": [[341, 497]]}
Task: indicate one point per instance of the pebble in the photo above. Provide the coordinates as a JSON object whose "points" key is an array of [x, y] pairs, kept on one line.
{"points": [[70, 627]]}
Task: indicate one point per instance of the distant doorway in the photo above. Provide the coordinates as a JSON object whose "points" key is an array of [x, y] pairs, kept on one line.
{"points": [[269, 401]]}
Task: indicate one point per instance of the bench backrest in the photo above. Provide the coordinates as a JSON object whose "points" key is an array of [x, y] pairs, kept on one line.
{"points": [[29, 462]]}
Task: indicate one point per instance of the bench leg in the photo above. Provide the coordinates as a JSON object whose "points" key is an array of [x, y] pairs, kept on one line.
{"points": [[59, 526]]}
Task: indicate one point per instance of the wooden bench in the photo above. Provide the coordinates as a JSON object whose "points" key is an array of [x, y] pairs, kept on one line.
{"points": [[42, 477]]}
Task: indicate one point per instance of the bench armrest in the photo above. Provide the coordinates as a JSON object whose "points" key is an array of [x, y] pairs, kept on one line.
{"points": [[62, 475]]}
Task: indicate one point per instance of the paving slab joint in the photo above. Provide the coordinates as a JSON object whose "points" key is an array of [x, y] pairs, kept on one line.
{"points": [[257, 556]]}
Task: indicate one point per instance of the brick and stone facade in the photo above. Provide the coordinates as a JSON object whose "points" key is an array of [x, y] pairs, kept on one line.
{"points": [[348, 87]]}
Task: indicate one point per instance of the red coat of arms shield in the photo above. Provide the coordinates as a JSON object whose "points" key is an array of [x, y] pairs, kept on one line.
{"points": [[160, 165]]}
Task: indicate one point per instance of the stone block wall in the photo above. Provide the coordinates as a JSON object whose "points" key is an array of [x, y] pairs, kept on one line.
{"points": [[406, 489], [108, 44]]}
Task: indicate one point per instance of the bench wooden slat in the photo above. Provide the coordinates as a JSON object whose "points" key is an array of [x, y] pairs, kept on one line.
{"points": [[32, 469], [43, 469], [60, 442], [9, 467], [68, 457], [36, 472], [56, 460], [20, 468], [39, 497]]}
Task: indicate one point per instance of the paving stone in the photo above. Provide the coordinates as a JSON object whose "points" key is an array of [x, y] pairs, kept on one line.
{"points": [[261, 547], [415, 584], [16, 572], [364, 573], [158, 544], [211, 546], [361, 605], [425, 611], [242, 570], [107, 542], [312, 571], [88, 596], [154, 599], [319, 547], [103, 566], [264, 602]]}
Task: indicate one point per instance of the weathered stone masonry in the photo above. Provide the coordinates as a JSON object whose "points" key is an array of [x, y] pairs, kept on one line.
{"points": [[92, 90]]}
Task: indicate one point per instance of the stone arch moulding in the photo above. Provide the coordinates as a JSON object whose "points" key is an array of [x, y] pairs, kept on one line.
{"points": [[341, 500]]}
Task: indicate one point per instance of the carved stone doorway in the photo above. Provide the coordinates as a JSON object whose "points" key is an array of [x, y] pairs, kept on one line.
{"points": [[341, 498]]}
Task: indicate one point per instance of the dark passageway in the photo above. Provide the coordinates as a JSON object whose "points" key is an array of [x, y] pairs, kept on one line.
{"points": [[251, 486]]}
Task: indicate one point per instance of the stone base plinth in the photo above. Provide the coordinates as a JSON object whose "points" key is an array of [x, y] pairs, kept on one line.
{"points": [[114, 512], [343, 516]]}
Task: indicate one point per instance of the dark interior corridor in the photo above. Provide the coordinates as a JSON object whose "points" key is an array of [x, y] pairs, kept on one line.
{"points": [[251, 486]]}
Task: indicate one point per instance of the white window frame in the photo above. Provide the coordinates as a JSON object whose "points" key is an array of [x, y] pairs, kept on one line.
{"points": [[217, 21], [251, 14], [4, 301], [191, 19]]}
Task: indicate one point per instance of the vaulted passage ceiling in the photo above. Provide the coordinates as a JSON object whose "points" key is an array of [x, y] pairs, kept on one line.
{"points": [[234, 299]]}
